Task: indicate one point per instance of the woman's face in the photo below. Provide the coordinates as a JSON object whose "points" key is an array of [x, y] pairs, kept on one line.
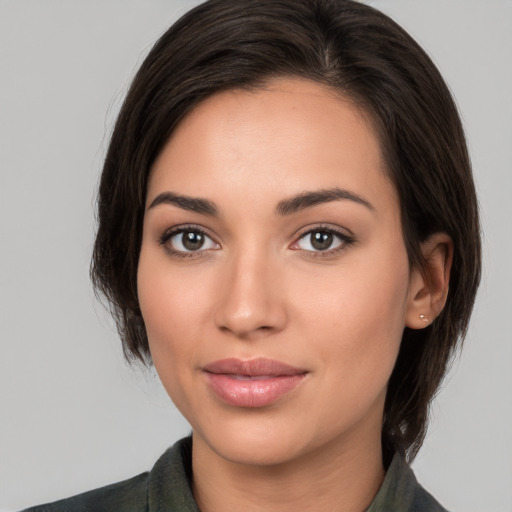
{"points": [[273, 277]]}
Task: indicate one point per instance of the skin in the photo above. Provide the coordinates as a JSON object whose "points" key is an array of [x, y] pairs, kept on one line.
{"points": [[258, 288]]}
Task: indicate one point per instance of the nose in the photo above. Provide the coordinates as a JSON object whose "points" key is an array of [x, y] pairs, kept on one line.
{"points": [[250, 303]]}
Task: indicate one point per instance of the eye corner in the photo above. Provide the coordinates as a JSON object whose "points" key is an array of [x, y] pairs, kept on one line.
{"points": [[327, 242], [198, 243]]}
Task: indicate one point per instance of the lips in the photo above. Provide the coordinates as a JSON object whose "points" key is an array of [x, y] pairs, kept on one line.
{"points": [[254, 383]]}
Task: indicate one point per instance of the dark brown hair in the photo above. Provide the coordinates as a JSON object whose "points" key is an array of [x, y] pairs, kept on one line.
{"points": [[368, 58]]}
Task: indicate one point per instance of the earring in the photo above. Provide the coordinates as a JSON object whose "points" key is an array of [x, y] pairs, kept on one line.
{"points": [[424, 318]]}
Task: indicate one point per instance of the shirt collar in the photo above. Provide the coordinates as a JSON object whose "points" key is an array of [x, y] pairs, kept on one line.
{"points": [[170, 483], [397, 490]]}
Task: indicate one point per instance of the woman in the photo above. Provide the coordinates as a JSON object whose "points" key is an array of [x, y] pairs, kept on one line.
{"points": [[288, 230]]}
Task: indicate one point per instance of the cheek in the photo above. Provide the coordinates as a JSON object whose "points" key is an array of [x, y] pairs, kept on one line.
{"points": [[355, 317], [173, 311]]}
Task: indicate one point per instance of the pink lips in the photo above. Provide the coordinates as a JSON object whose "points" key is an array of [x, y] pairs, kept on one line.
{"points": [[255, 383]]}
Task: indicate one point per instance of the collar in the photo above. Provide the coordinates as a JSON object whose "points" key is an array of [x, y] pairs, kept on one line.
{"points": [[170, 485]]}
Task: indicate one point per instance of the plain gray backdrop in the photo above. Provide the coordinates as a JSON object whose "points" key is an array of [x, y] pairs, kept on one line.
{"points": [[73, 416]]}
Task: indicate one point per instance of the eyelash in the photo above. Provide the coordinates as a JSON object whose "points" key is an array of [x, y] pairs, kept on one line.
{"points": [[345, 241], [167, 235]]}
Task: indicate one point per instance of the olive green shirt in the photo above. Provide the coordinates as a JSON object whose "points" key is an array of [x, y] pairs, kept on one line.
{"points": [[166, 488]]}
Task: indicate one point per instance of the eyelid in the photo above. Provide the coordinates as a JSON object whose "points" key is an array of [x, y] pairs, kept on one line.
{"points": [[347, 239], [163, 239]]}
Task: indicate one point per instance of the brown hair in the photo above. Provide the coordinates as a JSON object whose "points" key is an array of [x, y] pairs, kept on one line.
{"points": [[222, 44]]}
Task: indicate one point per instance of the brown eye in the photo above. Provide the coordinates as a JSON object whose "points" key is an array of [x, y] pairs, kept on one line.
{"points": [[190, 240], [321, 240]]}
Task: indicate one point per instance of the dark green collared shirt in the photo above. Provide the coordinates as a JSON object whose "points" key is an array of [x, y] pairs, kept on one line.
{"points": [[166, 488]]}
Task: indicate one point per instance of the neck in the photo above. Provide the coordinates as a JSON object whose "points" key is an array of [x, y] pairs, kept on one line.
{"points": [[331, 478]]}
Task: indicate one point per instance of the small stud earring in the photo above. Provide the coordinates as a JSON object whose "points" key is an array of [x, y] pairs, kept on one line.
{"points": [[424, 319]]}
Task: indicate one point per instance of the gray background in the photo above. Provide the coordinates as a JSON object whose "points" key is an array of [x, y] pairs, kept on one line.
{"points": [[73, 416]]}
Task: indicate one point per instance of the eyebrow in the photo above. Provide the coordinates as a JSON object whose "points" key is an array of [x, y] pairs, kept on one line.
{"points": [[295, 204], [314, 198], [192, 204]]}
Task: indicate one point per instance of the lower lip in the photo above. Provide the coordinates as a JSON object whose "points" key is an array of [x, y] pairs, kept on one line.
{"points": [[252, 392]]}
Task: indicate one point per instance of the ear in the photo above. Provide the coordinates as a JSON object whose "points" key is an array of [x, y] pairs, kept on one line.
{"points": [[428, 287]]}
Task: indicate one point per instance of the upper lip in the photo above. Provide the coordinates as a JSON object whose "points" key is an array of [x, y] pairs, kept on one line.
{"points": [[252, 368]]}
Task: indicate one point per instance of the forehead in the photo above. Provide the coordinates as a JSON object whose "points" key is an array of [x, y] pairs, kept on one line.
{"points": [[295, 134]]}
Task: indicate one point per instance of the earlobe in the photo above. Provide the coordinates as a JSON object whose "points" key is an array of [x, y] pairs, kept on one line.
{"points": [[429, 285]]}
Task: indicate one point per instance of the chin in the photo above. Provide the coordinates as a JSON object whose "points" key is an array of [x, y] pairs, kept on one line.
{"points": [[259, 444]]}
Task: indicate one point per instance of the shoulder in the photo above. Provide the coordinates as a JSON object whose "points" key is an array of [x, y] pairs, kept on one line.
{"points": [[423, 501], [129, 495], [166, 487], [401, 492]]}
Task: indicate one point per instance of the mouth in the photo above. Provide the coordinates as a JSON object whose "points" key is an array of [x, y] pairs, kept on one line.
{"points": [[254, 383]]}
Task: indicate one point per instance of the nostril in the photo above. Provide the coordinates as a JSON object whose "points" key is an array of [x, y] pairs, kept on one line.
{"points": [[248, 333], [248, 305]]}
